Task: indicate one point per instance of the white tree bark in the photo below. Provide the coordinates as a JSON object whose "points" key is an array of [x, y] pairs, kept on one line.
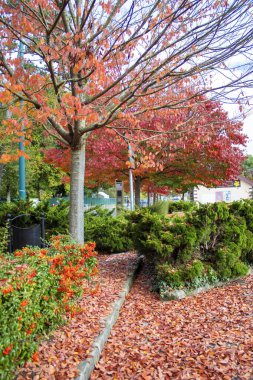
{"points": [[77, 194]]}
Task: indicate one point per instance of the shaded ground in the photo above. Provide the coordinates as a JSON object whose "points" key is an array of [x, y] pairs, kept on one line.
{"points": [[59, 356], [208, 336]]}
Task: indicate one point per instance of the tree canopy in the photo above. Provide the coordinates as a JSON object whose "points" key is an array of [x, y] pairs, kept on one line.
{"points": [[79, 66]]}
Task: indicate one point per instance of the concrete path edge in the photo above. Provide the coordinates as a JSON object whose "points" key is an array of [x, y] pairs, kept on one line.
{"points": [[86, 367]]}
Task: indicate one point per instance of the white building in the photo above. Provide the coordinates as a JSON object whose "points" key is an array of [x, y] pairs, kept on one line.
{"points": [[241, 188]]}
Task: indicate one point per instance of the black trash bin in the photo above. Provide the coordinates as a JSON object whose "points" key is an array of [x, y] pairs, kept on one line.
{"points": [[20, 237]]}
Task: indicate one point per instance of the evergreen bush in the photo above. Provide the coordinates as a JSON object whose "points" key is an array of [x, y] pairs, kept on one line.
{"points": [[110, 233], [213, 242]]}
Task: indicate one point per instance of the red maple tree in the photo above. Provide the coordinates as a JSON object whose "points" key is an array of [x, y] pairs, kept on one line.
{"points": [[80, 66]]}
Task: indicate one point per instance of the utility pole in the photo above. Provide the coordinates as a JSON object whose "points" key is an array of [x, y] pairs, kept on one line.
{"points": [[132, 166], [131, 183], [21, 160]]}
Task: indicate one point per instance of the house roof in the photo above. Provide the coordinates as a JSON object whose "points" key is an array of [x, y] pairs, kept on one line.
{"points": [[245, 179]]}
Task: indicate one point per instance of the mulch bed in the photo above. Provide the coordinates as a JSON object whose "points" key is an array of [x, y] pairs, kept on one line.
{"points": [[69, 345]]}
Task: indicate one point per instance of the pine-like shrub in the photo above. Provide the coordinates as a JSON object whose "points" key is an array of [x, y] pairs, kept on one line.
{"points": [[213, 242], [110, 233]]}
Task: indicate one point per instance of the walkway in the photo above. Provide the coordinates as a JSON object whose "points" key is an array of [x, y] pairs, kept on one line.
{"points": [[205, 337], [209, 336]]}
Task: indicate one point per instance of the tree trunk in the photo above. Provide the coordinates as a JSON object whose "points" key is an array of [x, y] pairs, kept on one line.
{"points": [[8, 195], [1, 171], [76, 213], [148, 197], [138, 191]]}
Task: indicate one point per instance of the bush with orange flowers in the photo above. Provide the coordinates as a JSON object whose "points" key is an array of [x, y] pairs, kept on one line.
{"points": [[39, 290]]}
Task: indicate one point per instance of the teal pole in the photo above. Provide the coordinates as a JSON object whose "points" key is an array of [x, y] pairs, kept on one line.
{"points": [[21, 160]]}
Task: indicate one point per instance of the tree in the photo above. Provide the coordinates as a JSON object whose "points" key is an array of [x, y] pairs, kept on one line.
{"points": [[106, 62], [200, 147], [247, 167]]}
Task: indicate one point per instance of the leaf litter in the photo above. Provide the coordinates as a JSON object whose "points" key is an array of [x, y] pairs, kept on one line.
{"points": [[204, 337], [59, 356]]}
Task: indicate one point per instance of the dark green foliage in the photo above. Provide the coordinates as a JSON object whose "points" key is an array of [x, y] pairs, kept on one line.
{"points": [[57, 220], [160, 208], [181, 206], [193, 271], [161, 239], [190, 275], [109, 233], [173, 277], [168, 207], [214, 241]]}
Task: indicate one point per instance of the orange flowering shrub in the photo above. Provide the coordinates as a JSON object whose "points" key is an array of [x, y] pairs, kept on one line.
{"points": [[39, 289]]}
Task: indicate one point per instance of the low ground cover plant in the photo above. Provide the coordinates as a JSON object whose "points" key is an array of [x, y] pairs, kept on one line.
{"points": [[210, 243], [39, 290]]}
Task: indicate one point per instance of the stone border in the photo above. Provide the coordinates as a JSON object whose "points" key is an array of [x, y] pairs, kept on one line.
{"points": [[87, 366]]}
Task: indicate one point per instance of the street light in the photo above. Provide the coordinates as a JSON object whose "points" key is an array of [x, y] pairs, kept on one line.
{"points": [[132, 166], [131, 183], [21, 160]]}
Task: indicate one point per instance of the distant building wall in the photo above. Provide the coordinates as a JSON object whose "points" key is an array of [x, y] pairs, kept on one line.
{"points": [[203, 194]]}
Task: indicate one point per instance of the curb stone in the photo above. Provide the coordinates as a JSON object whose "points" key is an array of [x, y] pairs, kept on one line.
{"points": [[87, 366]]}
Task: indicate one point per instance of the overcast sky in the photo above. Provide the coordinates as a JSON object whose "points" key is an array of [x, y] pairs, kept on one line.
{"points": [[248, 130]]}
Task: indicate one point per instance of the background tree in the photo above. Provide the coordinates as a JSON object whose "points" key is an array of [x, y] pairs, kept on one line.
{"points": [[247, 167], [105, 61], [201, 147]]}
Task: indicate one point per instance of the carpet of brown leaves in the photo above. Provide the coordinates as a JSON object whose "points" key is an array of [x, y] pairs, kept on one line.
{"points": [[203, 337], [59, 356]]}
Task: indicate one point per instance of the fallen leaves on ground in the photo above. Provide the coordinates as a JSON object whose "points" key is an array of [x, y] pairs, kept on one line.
{"points": [[203, 337], [59, 356]]}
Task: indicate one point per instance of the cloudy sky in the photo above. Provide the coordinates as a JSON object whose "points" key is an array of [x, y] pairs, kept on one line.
{"points": [[248, 130]]}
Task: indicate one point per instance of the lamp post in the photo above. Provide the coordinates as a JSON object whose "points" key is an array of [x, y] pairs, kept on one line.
{"points": [[21, 160], [132, 166], [131, 183]]}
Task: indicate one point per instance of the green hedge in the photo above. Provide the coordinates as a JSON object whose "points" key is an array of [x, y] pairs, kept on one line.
{"points": [[168, 207], [39, 289], [110, 233], [209, 243]]}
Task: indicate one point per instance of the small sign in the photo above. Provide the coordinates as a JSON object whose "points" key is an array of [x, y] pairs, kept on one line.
{"points": [[228, 196], [119, 185], [237, 183], [119, 195]]}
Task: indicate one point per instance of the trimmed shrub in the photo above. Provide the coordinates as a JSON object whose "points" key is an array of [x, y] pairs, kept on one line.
{"points": [[160, 208], [110, 233], [191, 275], [172, 277], [212, 242], [181, 206]]}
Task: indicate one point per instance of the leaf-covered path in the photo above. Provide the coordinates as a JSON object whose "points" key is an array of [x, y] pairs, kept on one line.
{"points": [[208, 336], [59, 356]]}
